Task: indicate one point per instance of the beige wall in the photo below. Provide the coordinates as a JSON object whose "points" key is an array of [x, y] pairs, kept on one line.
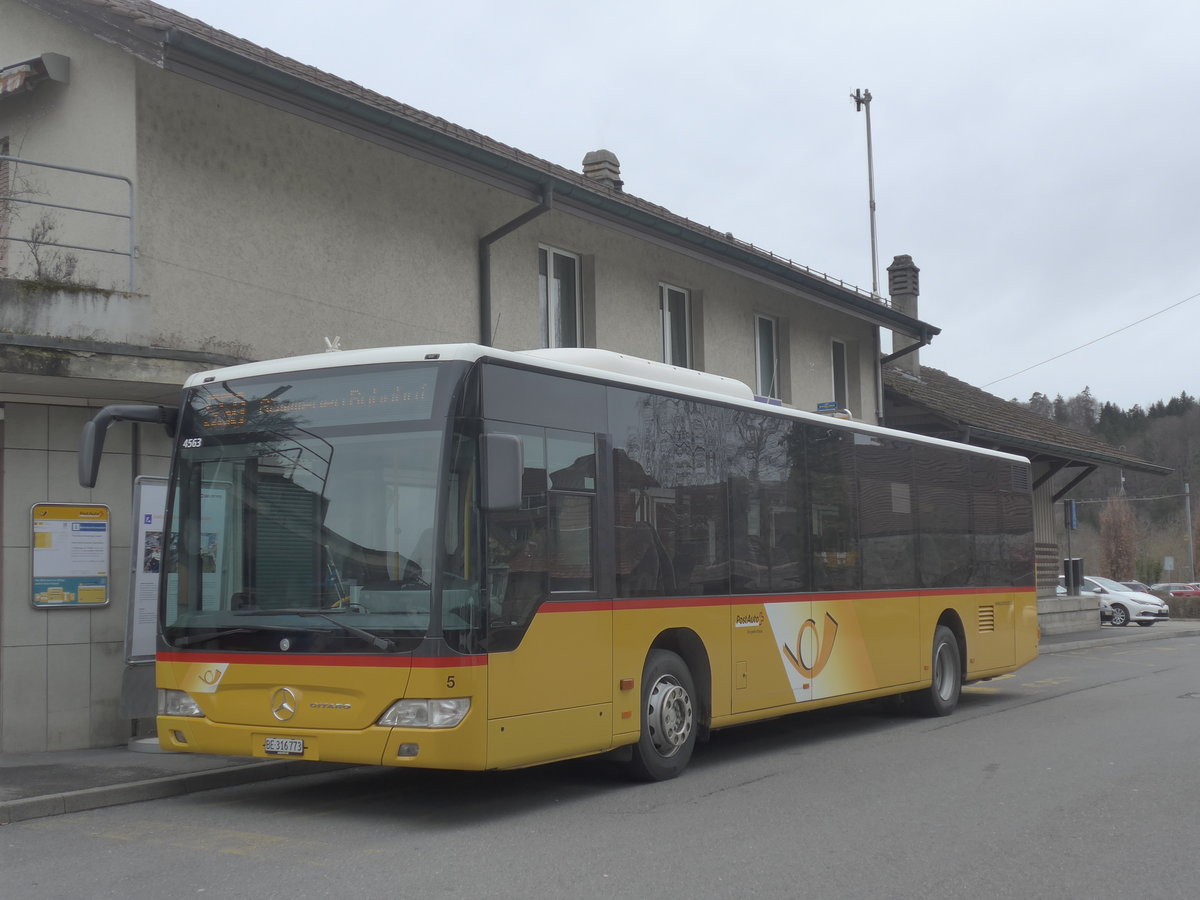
{"points": [[627, 274], [261, 233], [270, 233]]}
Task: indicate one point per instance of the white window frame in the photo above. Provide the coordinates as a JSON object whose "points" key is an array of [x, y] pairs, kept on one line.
{"points": [[664, 308], [772, 388], [840, 397], [550, 301]]}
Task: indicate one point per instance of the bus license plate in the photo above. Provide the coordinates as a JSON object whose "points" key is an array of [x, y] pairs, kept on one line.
{"points": [[284, 746]]}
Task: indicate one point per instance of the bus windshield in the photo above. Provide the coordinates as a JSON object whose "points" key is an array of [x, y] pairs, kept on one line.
{"points": [[305, 515]]}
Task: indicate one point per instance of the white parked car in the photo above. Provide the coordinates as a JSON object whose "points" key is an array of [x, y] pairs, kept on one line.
{"points": [[1121, 606]]}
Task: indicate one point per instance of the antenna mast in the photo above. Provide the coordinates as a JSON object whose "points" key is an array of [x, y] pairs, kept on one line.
{"points": [[862, 101]]}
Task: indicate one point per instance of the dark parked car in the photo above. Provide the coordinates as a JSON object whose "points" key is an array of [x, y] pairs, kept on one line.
{"points": [[1174, 589]]}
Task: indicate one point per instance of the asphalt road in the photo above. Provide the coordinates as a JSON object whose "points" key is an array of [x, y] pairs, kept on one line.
{"points": [[1075, 777]]}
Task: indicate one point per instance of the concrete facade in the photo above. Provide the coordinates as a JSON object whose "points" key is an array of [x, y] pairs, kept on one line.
{"points": [[61, 669], [264, 226]]}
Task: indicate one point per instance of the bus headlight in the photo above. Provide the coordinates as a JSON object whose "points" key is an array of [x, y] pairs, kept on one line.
{"points": [[426, 713], [177, 703]]}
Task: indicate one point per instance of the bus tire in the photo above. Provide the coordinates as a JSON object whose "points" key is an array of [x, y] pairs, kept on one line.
{"points": [[668, 718], [941, 697]]}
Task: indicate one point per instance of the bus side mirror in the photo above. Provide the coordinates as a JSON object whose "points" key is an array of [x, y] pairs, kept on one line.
{"points": [[91, 439], [503, 467]]}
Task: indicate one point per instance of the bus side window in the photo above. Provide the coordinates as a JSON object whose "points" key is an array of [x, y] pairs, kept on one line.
{"points": [[833, 509], [546, 546], [517, 550], [517, 557], [571, 567], [571, 464]]}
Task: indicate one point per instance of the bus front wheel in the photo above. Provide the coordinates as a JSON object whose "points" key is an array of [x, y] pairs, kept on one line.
{"points": [[941, 697], [668, 718]]}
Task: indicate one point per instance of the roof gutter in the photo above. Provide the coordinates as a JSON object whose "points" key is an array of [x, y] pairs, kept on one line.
{"points": [[188, 54], [923, 340], [485, 261]]}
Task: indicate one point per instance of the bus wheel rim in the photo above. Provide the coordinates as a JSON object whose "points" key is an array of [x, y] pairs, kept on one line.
{"points": [[942, 679], [669, 716]]}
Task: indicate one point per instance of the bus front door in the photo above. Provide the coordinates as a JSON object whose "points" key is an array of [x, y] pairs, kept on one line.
{"points": [[550, 637]]}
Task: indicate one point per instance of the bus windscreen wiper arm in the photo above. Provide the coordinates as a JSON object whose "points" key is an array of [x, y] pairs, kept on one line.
{"points": [[373, 639], [188, 639]]}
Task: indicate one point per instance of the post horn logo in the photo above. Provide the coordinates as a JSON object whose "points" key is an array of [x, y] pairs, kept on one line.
{"points": [[823, 643], [283, 704]]}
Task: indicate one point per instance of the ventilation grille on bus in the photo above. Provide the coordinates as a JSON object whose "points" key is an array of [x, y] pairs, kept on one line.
{"points": [[987, 618], [1020, 479]]}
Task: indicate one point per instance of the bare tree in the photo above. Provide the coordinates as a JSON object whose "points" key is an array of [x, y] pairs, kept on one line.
{"points": [[1118, 543], [51, 264]]}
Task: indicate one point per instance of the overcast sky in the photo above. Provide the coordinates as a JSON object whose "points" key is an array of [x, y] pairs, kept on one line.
{"points": [[1038, 159]]}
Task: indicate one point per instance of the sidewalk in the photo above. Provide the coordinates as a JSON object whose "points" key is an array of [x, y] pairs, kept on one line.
{"points": [[1127, 634], [34, 785]]}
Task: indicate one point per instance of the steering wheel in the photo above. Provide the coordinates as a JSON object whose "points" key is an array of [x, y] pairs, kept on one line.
{"points": [[411, 578]]}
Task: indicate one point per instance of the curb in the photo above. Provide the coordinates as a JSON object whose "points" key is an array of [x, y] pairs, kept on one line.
{"points": [[154, 789], [1115, 636]]}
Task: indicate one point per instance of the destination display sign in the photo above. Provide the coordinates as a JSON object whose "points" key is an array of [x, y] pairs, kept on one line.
{"points": [[308, 400]]}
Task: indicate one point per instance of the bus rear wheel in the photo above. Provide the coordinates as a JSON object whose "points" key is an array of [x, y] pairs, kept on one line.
{"points": [[668, 718], [941, 697]]}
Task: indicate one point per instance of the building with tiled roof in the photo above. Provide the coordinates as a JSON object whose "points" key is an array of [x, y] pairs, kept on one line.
{"points": [[177, 198], [934, 403]]}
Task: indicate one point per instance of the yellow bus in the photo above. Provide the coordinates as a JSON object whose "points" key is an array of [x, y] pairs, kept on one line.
{"points": [[456, 557]]}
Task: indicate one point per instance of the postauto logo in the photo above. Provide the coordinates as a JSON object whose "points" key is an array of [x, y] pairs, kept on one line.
{"points": [[822, 647]]}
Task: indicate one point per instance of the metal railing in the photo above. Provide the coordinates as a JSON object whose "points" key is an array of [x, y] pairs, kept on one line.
{"points": [[129, 216]]}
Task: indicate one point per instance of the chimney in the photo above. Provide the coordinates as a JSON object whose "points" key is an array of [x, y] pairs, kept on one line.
{"points": [[604, 167], [904, 288]]}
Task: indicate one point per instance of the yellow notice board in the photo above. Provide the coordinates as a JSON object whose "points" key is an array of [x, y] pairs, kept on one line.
{"points": [[71, 544]]}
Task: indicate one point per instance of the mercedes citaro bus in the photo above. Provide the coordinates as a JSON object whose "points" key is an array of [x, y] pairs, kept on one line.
{"points": [[457, 557]]}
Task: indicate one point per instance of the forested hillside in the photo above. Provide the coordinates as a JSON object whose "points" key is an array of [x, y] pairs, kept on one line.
{"points": [[1133, 524]]}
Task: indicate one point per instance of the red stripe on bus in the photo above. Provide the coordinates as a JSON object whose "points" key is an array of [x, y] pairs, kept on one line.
{"points": [[562, 606], [312, 659], [678, 602], [827, 597]]}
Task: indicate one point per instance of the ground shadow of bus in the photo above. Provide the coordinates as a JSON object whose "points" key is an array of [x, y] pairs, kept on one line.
{"points": [[450, 800]]}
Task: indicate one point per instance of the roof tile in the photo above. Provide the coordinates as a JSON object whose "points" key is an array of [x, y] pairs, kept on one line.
{"points": [[965, 406]]}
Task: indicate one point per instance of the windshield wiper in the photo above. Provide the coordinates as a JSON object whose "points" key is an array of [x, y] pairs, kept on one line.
{"points": [[188, 639], [374, 640]]}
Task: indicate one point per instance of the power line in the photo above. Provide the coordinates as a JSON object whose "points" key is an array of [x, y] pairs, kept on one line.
{"points": [[1095, 341], [1131, 499]]}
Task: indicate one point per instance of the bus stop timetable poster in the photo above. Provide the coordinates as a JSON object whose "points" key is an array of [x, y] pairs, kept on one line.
{"points": [[70, 555]]}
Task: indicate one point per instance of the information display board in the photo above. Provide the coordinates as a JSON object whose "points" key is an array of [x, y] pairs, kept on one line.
{"points": [[148, 547], [71, 549]]}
